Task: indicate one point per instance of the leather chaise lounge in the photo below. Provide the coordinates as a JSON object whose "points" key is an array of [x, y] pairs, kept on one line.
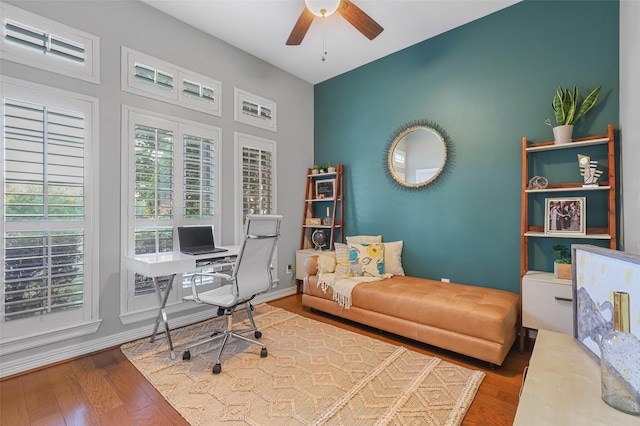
{"points": [[475, 321]]}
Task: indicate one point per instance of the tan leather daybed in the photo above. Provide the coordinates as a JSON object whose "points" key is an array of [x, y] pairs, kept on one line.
{"points": [[475, 321]]}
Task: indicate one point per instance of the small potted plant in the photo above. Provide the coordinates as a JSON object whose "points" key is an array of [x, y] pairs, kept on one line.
{"points": [[562, 265], [315, 169], [329, 168], [566, 112]]}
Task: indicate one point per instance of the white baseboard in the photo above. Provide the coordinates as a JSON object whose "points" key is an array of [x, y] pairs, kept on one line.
{"points": [[8, 368]]}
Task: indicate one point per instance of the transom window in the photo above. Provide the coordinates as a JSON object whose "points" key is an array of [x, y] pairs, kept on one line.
{"points": [[42, 43]]}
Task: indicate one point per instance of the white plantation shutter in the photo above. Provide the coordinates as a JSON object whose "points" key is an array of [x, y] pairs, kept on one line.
{"points": [[255, 178], [47, 238], [257, 181], [153, 77], [154, 173], [199, 177], [42, 43]]}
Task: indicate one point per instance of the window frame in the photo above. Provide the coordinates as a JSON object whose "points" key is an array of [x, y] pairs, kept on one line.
{"points": [[269, 122], [137, 308], [39, 330], [11, 51]]}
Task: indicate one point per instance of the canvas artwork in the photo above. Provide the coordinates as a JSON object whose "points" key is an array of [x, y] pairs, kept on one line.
{"points": [[598, 273]]}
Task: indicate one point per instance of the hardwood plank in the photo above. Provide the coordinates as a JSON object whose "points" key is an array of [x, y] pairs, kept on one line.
{"points": [[13, 406], [99, 392], [74, 404], [40, 400]]}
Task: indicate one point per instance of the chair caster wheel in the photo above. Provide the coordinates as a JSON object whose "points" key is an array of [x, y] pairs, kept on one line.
{"points": [[258, 334], [216, 369], [186, 356], [263, 353]]}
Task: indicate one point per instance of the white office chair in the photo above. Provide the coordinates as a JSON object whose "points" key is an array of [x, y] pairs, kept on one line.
{"points": [[251, 276]]}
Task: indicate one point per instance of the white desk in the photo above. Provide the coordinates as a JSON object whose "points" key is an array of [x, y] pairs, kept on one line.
{"points": [[170, 264], [562, 387]]}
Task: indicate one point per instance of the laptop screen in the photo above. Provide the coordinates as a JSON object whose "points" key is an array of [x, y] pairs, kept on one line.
{"points": [[195, 238]]}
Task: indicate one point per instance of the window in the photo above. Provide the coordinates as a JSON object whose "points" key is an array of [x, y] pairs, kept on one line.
{"points": [[42, 43], [254, 110], [147, 76], [170, 181], [256, 163], [49, 241]]}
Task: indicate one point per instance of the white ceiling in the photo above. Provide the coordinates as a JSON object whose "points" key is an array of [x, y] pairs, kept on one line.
{"points": [[261, 28]]}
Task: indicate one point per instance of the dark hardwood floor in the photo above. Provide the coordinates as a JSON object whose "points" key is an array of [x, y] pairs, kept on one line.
{"points": [[105, 389]]}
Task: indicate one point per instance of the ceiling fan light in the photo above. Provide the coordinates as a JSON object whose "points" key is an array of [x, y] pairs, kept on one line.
{"points": [[322, 7]]}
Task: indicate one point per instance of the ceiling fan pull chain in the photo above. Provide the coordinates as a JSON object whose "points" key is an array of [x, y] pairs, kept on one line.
{"points": [[324, 37]]}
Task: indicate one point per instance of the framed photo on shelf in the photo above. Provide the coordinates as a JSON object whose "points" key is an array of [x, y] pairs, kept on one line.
{"points": [[565, 216], [325, 189]]}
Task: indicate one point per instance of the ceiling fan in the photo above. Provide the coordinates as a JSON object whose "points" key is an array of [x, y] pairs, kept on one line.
{"points": [[323, 8]]}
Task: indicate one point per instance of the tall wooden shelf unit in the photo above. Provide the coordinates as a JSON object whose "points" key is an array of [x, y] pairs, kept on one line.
{"points": [[314, 207], [539, 290]]}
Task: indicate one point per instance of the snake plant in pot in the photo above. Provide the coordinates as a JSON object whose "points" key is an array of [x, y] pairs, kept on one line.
{"points": [[566, 111]]}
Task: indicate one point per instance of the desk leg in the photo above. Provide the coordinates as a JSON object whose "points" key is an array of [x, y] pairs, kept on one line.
{"points": [[162, 314]]}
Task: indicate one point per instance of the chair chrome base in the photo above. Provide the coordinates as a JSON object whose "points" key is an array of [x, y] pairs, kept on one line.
{"points": [[227, 333]]}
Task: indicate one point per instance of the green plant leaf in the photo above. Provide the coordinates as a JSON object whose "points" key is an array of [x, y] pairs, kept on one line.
{"points": [[588, 103], [557, 104]]}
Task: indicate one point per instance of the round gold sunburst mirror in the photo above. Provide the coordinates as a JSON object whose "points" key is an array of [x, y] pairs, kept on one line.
{"points": [[417, 154]]}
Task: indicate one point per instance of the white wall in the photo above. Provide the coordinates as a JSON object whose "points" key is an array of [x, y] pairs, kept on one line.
{"points": [[630, 123], [140, 27]]}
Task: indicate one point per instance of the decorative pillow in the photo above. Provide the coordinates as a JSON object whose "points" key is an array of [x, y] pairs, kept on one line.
{"points": [[366, 260], [393, 258], [326, 262], [342, 259], [364, 239]]}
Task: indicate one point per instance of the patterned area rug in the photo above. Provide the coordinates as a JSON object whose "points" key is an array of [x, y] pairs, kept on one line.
{"points": [[314, 374]]}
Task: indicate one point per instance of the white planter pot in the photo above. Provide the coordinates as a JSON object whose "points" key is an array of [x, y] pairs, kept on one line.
{"points": [[562, 134]]}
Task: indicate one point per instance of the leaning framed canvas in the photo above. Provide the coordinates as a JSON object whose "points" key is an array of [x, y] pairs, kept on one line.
{"points": [[565, 215], [325, 188], [597, 273]]}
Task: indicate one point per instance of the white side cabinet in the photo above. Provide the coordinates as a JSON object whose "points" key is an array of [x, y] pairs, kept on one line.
{"points": [[301, 255], [547, 303]]}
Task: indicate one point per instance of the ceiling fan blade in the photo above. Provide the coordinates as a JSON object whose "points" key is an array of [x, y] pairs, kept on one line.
{"points": [[360, 20], [300, 28]]}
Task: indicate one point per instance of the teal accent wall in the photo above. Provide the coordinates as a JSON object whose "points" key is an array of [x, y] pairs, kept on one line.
{"points": [[488, 84]]}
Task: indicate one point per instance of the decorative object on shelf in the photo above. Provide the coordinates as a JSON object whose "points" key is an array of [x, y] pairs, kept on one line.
{"points": [[319, 239], [589, 170], [562, 265], [620, 360], [315, 169], [565, 215], [312, 221], [325, 188], [327, 219], [538, 182], [329, 168], [416, 154], [566, 112]]}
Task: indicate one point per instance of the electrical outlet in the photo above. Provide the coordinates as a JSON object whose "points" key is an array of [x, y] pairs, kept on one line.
{"points": [[289, 269], [445, 280]]}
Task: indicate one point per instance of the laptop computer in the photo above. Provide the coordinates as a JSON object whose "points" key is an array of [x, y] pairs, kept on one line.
{"points": [[197, 240]]}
